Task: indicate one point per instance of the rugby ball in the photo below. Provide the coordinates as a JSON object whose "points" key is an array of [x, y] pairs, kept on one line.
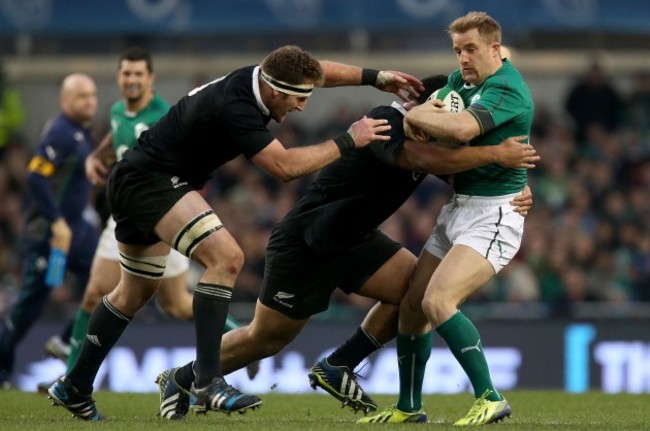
{"points": [[450, 97]]}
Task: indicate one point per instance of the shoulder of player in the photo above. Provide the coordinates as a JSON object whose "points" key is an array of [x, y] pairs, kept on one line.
{"points": [[118, 108], [158, 103], [384, 112], [63, 132], [506, 75]]}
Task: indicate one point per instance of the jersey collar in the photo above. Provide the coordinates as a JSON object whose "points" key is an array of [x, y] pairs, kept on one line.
{"points": [[399, 107], [256, 90]]}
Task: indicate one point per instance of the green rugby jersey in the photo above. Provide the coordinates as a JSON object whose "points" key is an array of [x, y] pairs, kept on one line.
{"points": [[126, 126], [503, 107]]}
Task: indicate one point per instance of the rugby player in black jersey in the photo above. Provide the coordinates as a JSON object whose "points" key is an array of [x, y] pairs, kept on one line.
{"points": [[330, 239], [154, 199]]}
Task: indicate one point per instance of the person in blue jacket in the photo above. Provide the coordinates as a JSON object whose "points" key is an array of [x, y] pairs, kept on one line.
{"points": [[57, 196]]}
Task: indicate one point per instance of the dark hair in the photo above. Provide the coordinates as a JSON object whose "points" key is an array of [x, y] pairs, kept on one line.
{"points": [[293, 65], [136, 54], [431, 84]]}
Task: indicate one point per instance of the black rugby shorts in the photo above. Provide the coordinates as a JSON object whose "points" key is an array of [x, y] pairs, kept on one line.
{"points": [[298, 282], [138, 200]]}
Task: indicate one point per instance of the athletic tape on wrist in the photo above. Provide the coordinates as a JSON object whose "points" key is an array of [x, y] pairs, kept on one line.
{"points": [[369, 77], [345, 142]]}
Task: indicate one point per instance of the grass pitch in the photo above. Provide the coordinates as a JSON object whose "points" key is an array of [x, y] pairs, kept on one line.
{"points": [[532, 410]]}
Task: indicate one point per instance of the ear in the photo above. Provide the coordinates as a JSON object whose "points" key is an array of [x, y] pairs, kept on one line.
{"points": [[496, 49]]}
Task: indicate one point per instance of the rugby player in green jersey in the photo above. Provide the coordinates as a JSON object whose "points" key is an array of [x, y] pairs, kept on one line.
{"points": [[477, 233]]}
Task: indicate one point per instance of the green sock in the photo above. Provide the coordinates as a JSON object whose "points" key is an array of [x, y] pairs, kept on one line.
{"points": [[413, 352], [77, 337], [231, 324], [464, 341]]}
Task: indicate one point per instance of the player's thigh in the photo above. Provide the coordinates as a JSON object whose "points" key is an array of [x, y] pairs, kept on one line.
{"points": [[462, 271], [363, 268], [391, 281], [104, 277]]}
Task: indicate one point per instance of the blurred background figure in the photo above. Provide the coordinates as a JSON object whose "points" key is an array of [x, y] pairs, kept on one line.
{"points": [[12, 114], [58, 195], [594, 101]]}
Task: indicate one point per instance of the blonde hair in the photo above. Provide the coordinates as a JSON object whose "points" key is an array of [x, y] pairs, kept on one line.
{"points": [[488, 28]]}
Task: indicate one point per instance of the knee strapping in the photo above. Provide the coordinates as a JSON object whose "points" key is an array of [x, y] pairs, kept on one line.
{"points": [[195, 232], [152, 267]]}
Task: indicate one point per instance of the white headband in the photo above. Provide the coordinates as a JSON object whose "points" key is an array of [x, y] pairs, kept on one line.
{"points": [[302, 90]]}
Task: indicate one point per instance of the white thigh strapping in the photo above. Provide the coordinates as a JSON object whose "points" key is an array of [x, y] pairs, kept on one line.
{"points": [[107, 248], [488, 225]]}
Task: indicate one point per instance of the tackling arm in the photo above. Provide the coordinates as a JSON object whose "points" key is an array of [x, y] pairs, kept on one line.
{"points": [[440, 159], [287, 164], [398, 83], [442, 125]]}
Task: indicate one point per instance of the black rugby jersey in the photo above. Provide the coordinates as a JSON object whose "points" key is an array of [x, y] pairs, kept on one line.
{"points": [[351, 197], [208, 127]]}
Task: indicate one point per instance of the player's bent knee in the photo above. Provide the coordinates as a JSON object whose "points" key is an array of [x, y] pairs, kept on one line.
{"points": [[434, 309]]}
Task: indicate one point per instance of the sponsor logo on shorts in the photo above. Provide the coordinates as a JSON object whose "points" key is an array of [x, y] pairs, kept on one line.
{"points": [[176, 182], [281, 298]]}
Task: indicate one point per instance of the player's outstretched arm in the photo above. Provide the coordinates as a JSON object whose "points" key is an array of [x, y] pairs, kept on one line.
{"points": [[442, 125], [399, 83], [288, 164], [440, 159]]}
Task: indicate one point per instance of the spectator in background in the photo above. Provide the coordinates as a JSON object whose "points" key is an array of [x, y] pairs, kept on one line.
{"points": [[58, 194], [12, 114], [593, 100], [638, 103]]}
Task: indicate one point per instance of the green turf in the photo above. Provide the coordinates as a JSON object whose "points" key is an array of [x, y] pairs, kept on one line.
{"points": [[315, 412]]}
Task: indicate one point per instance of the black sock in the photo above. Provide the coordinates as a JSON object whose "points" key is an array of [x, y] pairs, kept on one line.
{"points": [[210, 308], [104, 329], [354, 350], [185, 375]]}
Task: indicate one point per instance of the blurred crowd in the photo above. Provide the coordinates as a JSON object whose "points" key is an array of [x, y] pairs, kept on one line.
{"points": [[586, 239]]}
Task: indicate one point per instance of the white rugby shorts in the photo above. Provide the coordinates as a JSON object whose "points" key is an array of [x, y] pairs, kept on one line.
{"points": [[177, 264], [487, 224]]}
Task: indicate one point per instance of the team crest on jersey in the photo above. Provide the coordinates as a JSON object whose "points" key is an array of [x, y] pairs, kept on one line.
{"points": [[119, 152], [475, 98], [139, 128]]}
